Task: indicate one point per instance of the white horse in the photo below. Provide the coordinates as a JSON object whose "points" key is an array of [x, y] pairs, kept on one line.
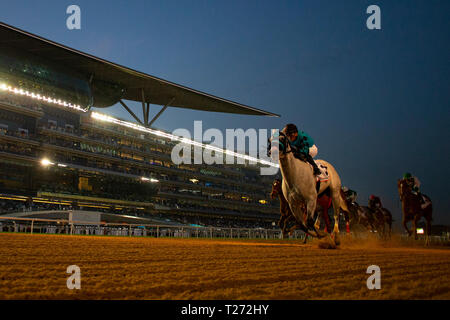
{"points": [[299, 188]]}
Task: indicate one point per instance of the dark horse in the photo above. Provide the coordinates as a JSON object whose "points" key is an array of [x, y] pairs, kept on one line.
{"points": [[380, 217], [285, 211], [357, 216], [412, 209], [372, 218]]}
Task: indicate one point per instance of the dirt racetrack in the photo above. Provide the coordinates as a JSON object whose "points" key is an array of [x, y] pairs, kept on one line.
{"points": [[34, 267]]}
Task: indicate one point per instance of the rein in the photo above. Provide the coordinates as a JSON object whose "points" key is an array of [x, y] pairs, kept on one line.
{"points": [[288, 142], [282, 147]]}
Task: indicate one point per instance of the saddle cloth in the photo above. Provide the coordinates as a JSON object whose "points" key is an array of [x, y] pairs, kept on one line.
{"points": [[324, 169]]}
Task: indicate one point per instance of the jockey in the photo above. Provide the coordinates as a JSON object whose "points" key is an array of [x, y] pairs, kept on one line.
{"points": [[374, 202], [303, 144], [414, 184], [350, 194]]}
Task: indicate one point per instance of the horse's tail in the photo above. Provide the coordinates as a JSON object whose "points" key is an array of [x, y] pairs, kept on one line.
{"points": [[344, 202]]}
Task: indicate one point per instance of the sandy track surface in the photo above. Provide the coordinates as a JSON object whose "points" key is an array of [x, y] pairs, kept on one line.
{"points": [[34, 267]]}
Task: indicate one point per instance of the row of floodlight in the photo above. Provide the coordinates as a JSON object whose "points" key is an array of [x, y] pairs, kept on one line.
{"points": [[107, 118], [45, 162], [36, 96]]}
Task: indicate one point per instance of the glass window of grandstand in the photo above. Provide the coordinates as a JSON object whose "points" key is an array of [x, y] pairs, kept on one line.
{"points": [[23, 133], [3, 128], [69, 128], [52, 124]]}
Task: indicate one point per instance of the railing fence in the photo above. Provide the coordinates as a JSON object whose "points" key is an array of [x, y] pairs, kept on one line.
{"points": [[61, 226]]}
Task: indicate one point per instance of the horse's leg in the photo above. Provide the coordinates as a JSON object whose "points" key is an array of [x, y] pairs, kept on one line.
{"points": [[389, 227], [283, 231], [414, 226], [285, 227], [362, 219], [372, 225], [381, 225], [404, 222], [317, 224], [291, 229], [336, 206], [283, 224], [326, 217], [427, 241], [290, 217], [310, 210], [282, 218]]}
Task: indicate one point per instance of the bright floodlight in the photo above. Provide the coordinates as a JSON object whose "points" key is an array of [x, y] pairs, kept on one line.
{"points": [[420, 231], [45, 162], [149, 179]]}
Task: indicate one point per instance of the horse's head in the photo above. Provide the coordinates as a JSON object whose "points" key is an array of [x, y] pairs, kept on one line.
{"points": [[403, 188], [278, 145], [276, 188]]}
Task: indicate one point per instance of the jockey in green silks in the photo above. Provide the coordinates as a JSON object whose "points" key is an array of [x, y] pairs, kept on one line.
{"points": [[303, 145], [414, 184]]}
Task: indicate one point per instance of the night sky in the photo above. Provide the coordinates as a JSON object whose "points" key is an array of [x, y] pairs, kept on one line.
{"points": [[375, 101]]}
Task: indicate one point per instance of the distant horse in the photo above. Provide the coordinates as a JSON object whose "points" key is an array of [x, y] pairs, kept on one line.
{"points": [[412, 209], [380, 217], [357, 216], [285, 212], [299, 187], [372, 218]]}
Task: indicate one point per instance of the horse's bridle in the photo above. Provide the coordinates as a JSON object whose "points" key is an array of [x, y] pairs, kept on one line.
{"points": [[281, 133], [401, 183]]}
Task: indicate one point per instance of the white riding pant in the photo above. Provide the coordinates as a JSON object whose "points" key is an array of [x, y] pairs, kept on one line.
{"points": [[313, 151]]}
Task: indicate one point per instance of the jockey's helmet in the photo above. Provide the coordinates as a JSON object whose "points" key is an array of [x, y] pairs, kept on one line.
{"points": [[407, 175], [291, 128], [372, 197]]}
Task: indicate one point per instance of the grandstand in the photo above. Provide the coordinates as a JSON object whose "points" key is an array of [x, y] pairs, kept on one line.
{"points": [[61, 156]]}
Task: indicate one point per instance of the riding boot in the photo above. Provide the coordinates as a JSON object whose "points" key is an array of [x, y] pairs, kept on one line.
{"points": [[421, 199], [313, 163]]}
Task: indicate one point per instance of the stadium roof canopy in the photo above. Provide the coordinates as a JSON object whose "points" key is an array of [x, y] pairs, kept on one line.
{"points": [[138, 86]]}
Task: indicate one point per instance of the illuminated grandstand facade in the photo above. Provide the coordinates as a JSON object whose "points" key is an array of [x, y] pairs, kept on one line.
{"points": [[56, 151], [59, 154]]}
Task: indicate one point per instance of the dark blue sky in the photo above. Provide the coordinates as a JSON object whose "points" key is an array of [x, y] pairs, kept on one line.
{"points": [[376, 102]]}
